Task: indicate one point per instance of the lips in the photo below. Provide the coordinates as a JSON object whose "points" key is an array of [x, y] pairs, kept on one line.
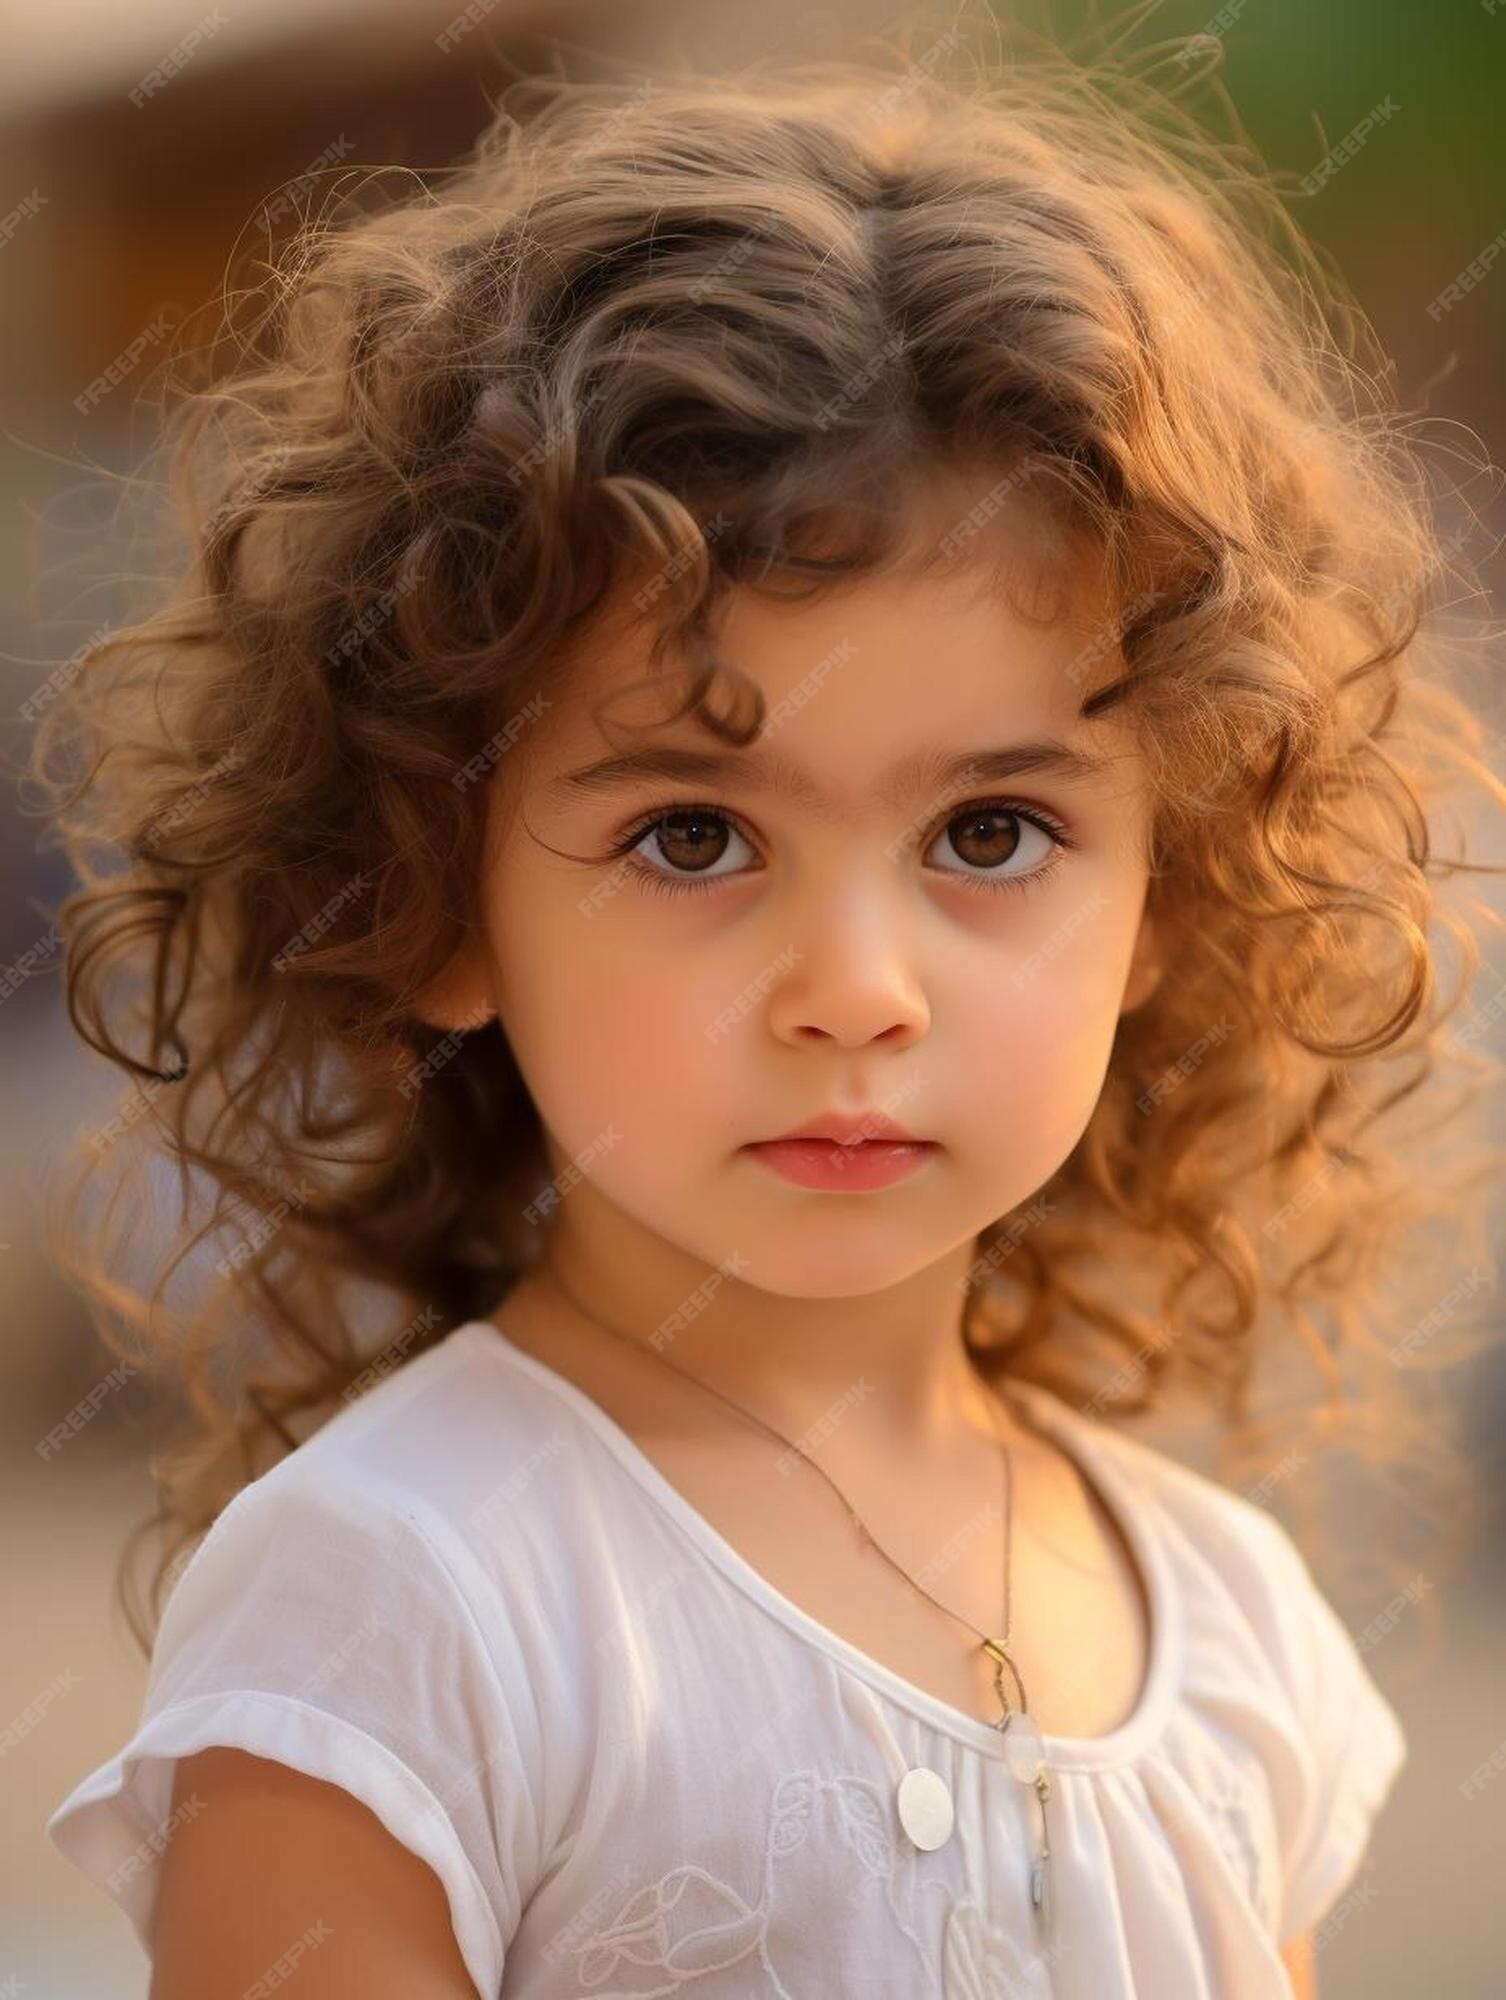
{"points": [[848, 1128], [835, 1164]]}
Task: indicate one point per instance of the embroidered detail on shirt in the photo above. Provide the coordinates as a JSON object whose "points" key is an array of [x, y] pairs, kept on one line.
{"points": [[1235, 1800], [980, 1963], [689, 1924]]}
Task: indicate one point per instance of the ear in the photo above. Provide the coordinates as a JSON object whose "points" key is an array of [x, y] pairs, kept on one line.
{"points": [[460, 998], [1146, 966]]}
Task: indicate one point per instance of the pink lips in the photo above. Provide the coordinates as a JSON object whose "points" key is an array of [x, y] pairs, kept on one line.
{"points": [[845, 1151]]}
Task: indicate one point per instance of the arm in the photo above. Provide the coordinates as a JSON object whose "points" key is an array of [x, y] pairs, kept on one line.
{"points": [[1298, 1960], [276, 1860]]}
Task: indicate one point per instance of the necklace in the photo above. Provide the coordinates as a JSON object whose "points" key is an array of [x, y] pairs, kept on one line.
{"points": [[1025, 1753]]}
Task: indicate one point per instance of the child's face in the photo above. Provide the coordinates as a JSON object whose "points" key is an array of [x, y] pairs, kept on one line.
{"points": [[852, 957]]}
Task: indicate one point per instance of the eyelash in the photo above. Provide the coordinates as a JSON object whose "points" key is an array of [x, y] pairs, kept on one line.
{"points": [[673, 885]]}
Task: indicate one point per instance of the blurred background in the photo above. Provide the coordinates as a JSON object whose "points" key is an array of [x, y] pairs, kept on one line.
{"points": [[141, 147]]}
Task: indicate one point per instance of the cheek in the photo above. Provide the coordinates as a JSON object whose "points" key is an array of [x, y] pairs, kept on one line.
{"points": [[1037, 1043], [613, 1035]]}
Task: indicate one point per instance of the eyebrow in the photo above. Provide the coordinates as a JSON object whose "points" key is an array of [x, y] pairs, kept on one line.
{"points": [[924, 773]]}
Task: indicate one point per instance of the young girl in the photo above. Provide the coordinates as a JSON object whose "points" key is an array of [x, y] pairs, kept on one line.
{"points": [[776, 839]]}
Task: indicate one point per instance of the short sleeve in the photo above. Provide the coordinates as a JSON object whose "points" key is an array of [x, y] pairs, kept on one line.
{"points": [[320, 1625], [1352, 1747]]}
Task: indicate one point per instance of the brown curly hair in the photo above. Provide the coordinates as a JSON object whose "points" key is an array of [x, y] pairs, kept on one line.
{"points": [[458, 417]]}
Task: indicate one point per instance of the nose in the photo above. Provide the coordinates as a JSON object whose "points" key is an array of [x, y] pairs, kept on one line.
{"points": [[852, 980]]}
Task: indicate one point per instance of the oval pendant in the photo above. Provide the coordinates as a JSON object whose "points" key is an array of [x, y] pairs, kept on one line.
{"points": [[1024, 1752], [925, 1807]]}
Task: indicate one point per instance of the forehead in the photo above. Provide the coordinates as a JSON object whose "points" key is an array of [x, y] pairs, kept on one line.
{"points": [[987, 626]]}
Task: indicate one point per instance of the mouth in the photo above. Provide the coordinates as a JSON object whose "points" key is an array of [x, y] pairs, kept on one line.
{"points": [[850, 1164]]}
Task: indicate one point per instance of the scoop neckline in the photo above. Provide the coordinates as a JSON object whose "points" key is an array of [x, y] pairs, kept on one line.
{"points": [[1115, 1492]]}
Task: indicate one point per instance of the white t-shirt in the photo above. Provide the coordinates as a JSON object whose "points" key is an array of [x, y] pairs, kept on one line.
{"points": [[639, 1769]]}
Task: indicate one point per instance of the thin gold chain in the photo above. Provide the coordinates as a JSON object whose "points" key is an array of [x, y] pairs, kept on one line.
{"points": [[685, 1375]]}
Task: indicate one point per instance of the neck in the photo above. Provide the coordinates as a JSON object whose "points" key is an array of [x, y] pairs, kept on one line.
{"points": [[793, 1361]]}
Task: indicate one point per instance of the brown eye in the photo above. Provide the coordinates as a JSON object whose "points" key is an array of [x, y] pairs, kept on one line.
{"points": [[989, 839], [691, 841], [985, 838]]}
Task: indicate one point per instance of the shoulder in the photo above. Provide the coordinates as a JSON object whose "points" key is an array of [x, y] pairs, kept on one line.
{"points": [[1227, 1533], [1273, 1665], [336, 1622], [448, 1429], [458, 1458]]}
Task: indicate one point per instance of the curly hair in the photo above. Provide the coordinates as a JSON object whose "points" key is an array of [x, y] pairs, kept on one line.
{"points": [[459, 416]]}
